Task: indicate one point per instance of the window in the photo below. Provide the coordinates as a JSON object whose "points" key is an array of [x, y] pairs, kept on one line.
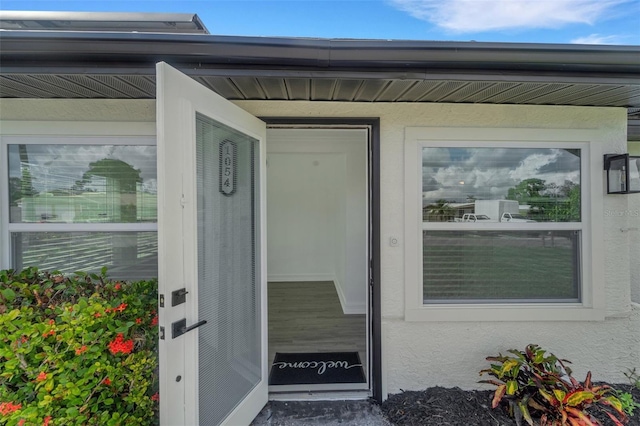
{"points": [[80, 203], [473, 187], [502, 224]]}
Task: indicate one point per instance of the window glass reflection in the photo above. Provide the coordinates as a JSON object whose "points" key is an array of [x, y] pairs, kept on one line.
{"points": [[82, 183], [127, 255], [500, 185], [634, 174]]}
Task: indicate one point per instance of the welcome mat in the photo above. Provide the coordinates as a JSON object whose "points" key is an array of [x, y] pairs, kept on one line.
{"points": [[316, 368]]}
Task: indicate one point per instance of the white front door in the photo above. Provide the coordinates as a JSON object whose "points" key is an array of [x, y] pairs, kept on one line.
{"points": [[212, 268]]}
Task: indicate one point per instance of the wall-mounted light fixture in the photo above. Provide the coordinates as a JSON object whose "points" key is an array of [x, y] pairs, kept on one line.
{"points": [[623, 173]]}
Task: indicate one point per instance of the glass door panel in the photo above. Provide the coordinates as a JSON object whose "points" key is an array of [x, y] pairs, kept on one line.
{"points": [[229, 353]]}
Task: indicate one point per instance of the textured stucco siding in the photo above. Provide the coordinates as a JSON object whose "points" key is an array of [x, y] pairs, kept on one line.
{"points": [[634, 234], [78, 110], [421, 354], [451, 354], [634, 246]]}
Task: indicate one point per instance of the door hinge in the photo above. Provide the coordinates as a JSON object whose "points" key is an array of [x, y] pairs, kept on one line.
{"points": [[161, 301], [161, 333], [183, 201]]}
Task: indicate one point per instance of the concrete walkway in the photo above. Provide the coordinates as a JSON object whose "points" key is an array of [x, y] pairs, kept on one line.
{"points": [[325, 413]]}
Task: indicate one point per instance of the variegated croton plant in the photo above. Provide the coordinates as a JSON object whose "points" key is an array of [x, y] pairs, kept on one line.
{"points": [[535, 383]]}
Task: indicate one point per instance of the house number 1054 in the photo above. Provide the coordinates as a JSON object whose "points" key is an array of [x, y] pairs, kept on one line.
{"points": [[228, 162]]}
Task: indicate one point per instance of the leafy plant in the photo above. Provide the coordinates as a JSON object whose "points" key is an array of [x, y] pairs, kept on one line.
{"points": [[628, 403], [77, 350], [534, 382]]}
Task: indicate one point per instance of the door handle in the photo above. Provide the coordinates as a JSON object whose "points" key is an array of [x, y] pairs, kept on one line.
{"points": [[179, 328]]}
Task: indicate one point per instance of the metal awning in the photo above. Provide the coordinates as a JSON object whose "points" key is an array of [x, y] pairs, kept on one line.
{"points": [[116, 65]]}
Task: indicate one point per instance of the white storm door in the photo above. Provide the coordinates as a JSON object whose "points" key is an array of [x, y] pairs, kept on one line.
{"points": [[211, 247]]}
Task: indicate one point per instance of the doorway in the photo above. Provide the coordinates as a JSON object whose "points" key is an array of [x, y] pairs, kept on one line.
{"points": [[318, 256], [212, 156]]}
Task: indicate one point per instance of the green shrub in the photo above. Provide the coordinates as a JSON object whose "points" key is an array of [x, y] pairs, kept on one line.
{"points": [[534, 381], [77, 350], [629, 405]]}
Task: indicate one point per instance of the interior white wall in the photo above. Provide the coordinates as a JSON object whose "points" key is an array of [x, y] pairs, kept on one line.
{"points": [[304, 215], [317, 209]]}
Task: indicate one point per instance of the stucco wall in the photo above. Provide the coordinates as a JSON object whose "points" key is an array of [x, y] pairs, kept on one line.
{"points": [[78, 110], [421, 354], [634, 233]]}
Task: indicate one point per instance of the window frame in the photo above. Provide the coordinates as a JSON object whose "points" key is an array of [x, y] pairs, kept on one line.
{"points": [[591, 304], [91, 139]]}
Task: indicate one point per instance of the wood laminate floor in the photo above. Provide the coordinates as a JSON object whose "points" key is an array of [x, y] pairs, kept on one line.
{"points": [[307, 317]]}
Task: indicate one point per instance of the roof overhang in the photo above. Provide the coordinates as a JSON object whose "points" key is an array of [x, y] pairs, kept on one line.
{"points": [[61, 64], [102, 21]]}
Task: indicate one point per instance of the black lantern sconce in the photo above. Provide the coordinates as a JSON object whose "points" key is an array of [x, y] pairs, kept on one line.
{"points": [[623, 173]]}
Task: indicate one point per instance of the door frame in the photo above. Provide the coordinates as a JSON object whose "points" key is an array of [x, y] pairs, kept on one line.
{"points": [[375, 318]]}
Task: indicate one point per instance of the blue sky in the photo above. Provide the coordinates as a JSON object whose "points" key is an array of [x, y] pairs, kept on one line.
{"points": [[538, 21]]}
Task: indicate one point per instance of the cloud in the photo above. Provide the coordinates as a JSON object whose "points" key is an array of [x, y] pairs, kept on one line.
{"points": [[489, 173], [466, 16], [598, 39]]}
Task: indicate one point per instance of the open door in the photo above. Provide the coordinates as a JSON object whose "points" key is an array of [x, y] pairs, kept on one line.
{"points": [[212, 269]]}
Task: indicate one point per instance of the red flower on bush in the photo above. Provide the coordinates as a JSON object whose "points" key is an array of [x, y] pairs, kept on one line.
{"points": [[9, 407], [65, 319], [155, 397], [119, 308], [120, 345], [154, 321]]}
